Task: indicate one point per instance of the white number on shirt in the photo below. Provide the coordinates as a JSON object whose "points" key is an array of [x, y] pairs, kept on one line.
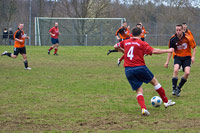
{"points": [[130, 53]]}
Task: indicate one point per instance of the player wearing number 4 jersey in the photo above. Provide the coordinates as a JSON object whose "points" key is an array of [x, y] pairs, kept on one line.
{"points": [[135, 69]]}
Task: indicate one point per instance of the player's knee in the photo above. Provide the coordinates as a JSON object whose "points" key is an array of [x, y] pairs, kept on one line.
{"points": [[24, 57], [14, 56], [187, 73], [176, 71]]}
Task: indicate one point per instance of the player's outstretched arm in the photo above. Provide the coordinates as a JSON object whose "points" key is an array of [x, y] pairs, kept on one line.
{"points": [[161, 51]]}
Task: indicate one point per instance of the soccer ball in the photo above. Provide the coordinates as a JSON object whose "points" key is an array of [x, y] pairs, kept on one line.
{"points": [[156, 101]]}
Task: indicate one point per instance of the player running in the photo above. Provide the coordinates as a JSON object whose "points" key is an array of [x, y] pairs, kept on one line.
{"points": [[121, 34], [182, 44], [54, 32], [135, 69], [19, 46]]}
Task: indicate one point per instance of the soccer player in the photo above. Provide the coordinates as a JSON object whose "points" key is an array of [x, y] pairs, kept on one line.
{"points": [[19, 46], [144, 32], [121, 34], [182, 44], [135, 69], [54, 32], [186, 30]]}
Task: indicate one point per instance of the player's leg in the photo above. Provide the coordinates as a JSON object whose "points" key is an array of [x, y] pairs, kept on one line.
{"points": [[25, 62], [131, 75], [141, 102], [110, 51], [177, 64], [175, 78], [16, 52], [56, 49], [53, 46], [23, 53], [119, 60], [160, 90], [186, 64], [115, 50]]}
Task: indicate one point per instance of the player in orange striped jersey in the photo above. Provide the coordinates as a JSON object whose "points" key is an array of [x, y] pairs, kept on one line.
{"points": [[19, 46], [182, 44], [121, 34], [144, 32]]}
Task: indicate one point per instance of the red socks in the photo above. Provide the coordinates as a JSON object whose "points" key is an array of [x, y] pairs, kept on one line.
{"points": [[121, 58], [161, 92], [56, 49], [140, 99], [50, 48]]}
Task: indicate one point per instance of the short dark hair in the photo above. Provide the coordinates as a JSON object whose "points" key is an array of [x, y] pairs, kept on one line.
{"points": [[138, 24], [179, 25], [136, 31], [124, 22], [184, 23]]}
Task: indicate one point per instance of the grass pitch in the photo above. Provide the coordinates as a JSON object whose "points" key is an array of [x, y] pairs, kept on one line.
{"points": [[83, 90]]}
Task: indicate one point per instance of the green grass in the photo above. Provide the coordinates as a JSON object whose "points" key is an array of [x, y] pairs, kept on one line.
{"points": [[83, 90]]}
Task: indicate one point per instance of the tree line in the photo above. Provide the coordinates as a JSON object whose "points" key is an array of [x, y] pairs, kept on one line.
{"points": [[158, 16]]}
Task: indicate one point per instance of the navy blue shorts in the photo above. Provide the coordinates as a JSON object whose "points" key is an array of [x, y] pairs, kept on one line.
{"points": [[54, 41], [137, 75]]}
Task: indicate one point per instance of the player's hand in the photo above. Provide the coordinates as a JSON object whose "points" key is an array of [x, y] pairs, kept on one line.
{"points": [[53, 34], [166, 65], [193, 60], [27, 37], [171, 50]]}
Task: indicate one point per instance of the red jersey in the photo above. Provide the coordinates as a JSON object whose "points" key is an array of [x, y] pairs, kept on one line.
{"points": [[134, 51], [55, 31]]}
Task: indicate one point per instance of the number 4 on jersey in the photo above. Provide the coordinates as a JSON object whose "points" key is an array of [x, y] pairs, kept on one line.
{"points": [[130, 53]]}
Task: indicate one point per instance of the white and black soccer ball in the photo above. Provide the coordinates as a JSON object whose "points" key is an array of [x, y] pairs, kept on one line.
{"points": [[156, 101]]}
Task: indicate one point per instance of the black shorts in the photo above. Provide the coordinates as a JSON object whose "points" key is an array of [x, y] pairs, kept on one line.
{"points": [[183, 61], [142, 39], [19, 50], [122, 39]]}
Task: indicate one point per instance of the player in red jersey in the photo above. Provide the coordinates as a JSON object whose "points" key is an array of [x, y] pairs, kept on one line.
{"points": [[54, 32], [135, 69]]}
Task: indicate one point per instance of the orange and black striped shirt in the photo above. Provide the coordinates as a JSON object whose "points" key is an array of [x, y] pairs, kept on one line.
{"points": [[182, 47], [19, 35], [123, 33]]}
